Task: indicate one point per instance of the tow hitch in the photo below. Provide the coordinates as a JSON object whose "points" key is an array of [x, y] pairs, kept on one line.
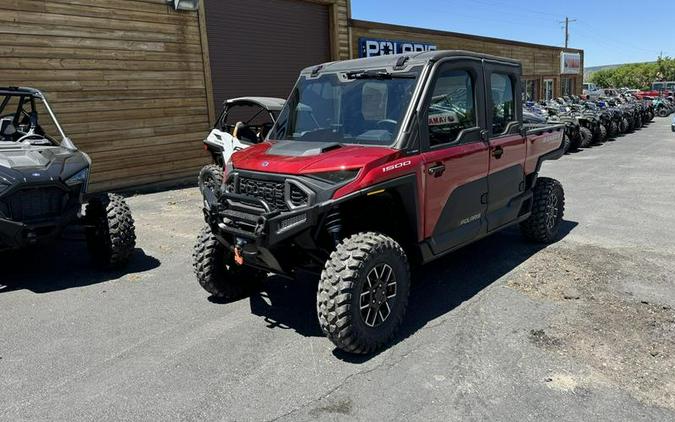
{"points": [[238, 257]]}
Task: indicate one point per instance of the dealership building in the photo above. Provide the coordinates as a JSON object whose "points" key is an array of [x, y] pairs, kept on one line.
{"points": [[137, 83]]}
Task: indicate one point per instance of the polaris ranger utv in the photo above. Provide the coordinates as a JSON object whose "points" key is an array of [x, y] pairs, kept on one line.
{"points": [[373, 165], [43, 184]]}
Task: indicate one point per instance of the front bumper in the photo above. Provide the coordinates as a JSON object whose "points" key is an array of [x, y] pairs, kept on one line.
{"points": [[17, 235], [251, 225], [37, 217]]}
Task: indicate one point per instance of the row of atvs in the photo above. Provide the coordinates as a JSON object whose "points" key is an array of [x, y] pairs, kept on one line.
{"points": [[592, 122]]}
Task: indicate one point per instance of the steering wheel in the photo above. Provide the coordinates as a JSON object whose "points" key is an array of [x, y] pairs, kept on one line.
{"points": [[390, 122], [29, 136]]}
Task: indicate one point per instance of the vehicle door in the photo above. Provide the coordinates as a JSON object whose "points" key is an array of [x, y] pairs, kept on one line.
{"points": [[455, 154], [508, 145]]}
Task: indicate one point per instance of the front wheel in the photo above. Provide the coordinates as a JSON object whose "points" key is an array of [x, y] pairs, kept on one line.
{"points": [[663, 112], [110, 231], [601, 134], [548, 208], [586, 137], [211, 178], [363, 292], [566, 144], [613, 130], [216, 271]]}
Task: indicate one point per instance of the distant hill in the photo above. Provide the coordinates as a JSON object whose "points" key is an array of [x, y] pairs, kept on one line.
{"points": [[588, 71]]}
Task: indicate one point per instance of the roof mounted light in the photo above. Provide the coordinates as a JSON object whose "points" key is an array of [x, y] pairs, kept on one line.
{"points": [[188, 5]]}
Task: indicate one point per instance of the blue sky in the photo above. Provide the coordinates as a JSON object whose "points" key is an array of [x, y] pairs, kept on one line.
{"points": [[610, 32]]}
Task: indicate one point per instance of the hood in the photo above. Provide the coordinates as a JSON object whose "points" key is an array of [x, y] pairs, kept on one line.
{"points": [[26, 164], [298, 157]]}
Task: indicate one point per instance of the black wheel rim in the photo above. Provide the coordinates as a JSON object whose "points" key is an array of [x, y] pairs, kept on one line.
{"points": [[552, 212], [379, 293]]}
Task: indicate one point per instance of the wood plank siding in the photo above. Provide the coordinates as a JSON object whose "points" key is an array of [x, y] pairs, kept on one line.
{"points": [[126, 79]]}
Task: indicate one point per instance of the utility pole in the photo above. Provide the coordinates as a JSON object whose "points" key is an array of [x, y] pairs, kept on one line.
{"points": [[567, 30]]}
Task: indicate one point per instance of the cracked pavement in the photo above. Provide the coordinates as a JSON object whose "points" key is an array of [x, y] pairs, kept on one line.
{"points": [[502, 330]]}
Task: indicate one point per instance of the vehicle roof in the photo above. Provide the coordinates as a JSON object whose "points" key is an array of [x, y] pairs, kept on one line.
{"points": [[414, 59], [270, 103], [13, 90]]}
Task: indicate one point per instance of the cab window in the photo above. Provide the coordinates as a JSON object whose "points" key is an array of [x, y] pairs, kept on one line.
{"points": [[452, 107], [503, 102]]}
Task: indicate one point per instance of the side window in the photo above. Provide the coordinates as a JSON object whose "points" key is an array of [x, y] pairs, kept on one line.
{"points": [[452, 107], [503, 102]]}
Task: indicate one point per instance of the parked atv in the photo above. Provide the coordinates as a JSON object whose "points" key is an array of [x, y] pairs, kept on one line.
{"points": [[357, 192], [243, 122], [43, 184], [662, 107], [535, 116]]}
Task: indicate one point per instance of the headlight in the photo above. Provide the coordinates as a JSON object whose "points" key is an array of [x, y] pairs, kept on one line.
{"points": [[78, 178], [336, 176]]}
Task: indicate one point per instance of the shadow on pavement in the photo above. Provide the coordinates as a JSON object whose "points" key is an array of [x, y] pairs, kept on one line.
{"points": [[437, 289], [61, 266]]}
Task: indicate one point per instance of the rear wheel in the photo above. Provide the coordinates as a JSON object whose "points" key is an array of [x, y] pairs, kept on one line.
{"points": [[548, 209], [363, 292], [216, 271], [110, 231], [663, 112], [586, 137]]}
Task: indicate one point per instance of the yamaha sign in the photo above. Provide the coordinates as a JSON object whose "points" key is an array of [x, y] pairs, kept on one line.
{"points": [[370, 47], [570, 63]]}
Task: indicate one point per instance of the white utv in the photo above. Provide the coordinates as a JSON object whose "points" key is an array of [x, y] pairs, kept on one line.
{"points": [[243, 122]]}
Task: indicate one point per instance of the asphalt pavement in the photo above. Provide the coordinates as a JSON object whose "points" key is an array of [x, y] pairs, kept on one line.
{"points": [[502, 330]]}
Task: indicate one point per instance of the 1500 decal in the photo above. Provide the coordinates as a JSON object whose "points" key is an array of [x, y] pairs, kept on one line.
{"points": [[396, 166]]}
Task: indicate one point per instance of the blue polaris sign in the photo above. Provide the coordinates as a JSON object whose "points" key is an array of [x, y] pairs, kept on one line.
{"points": [[370, 47]]}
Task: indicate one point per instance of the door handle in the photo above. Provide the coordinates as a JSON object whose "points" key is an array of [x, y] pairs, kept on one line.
{"points": [[498, 152], [437, 170]]}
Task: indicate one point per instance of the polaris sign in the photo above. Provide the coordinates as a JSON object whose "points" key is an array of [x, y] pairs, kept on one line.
{"points": [[369, 47]]}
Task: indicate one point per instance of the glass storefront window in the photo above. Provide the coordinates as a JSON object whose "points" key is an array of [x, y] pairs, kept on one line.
{"points": [[548, 89]]}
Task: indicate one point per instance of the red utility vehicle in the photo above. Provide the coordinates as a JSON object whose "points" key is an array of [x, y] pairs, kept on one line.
{"points": [[373, 165]]}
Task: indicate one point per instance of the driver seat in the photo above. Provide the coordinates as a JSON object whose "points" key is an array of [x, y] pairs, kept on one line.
{"points": [[245, 133]]}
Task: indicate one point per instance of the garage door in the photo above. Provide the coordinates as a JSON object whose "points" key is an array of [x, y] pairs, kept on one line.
{"points": [[258, 47]]}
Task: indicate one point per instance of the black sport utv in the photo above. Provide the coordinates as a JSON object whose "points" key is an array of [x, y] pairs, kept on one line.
{"points": [[43, 184]]}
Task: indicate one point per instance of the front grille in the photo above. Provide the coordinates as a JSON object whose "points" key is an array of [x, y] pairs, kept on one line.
{"points": [[36, 204], [270, 192]]}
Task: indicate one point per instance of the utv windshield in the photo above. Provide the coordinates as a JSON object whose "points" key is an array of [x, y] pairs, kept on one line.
{"points": [[27, 119], [361, 107]]}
